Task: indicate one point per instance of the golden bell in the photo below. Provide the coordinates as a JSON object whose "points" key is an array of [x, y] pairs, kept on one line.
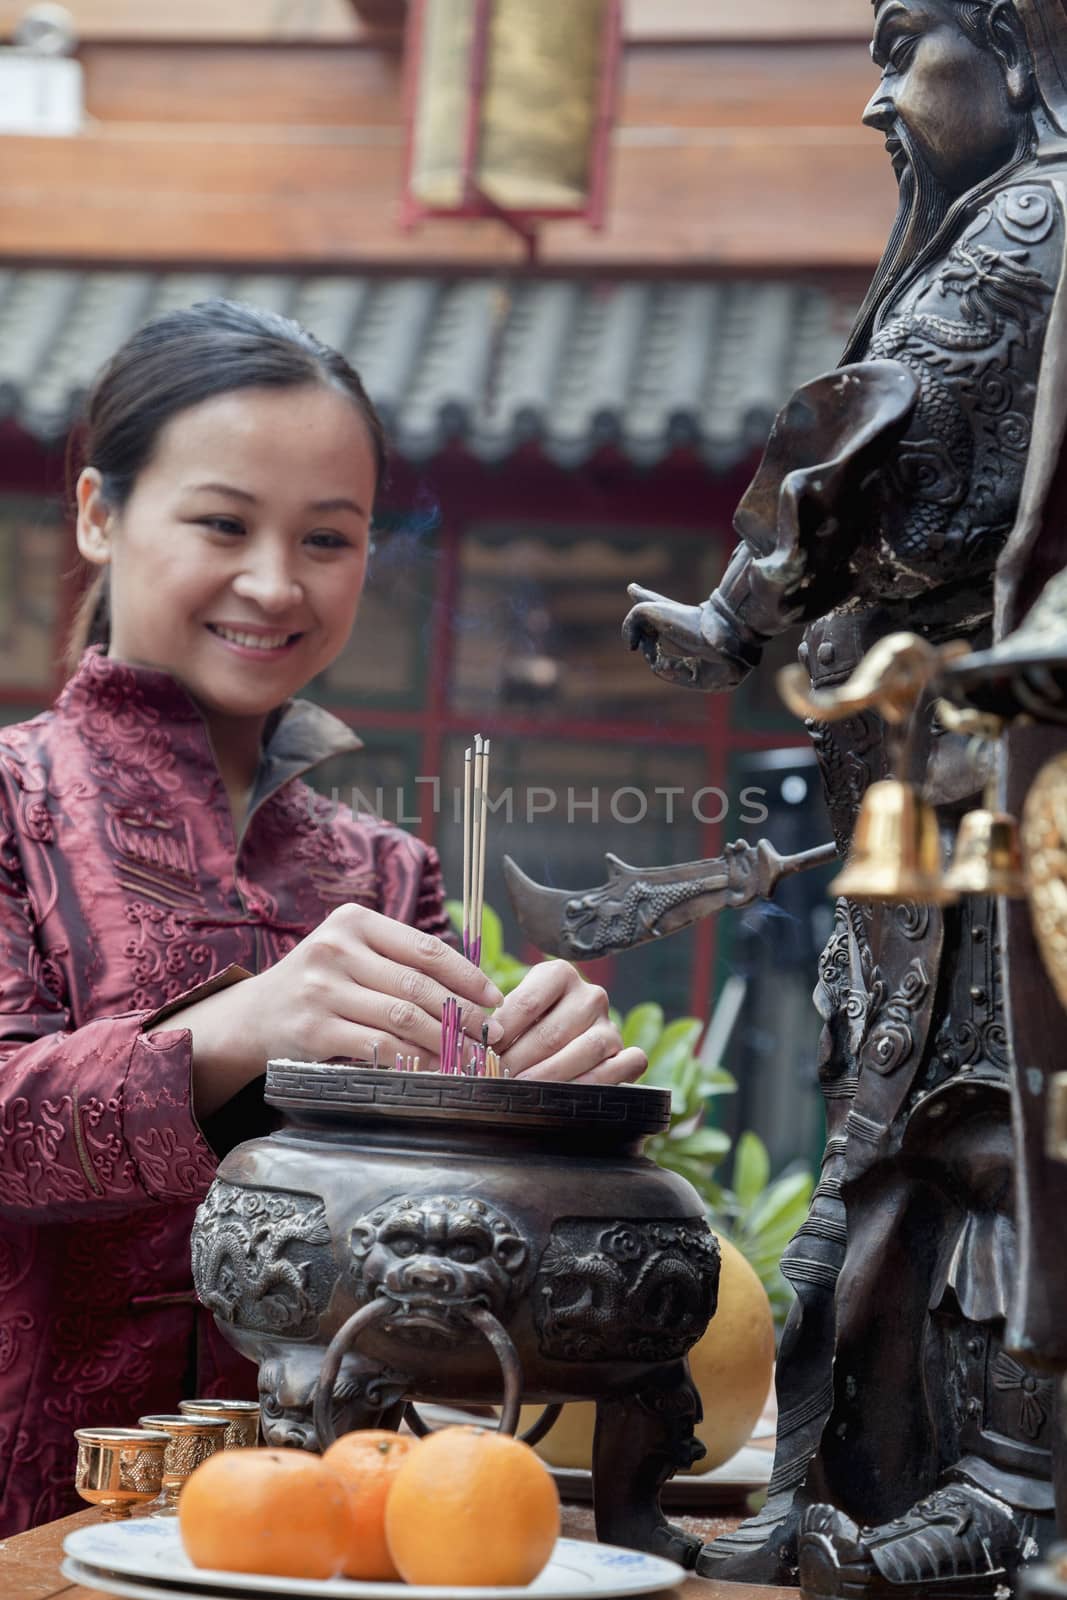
{"points": [[896, 849], [988, 858]]}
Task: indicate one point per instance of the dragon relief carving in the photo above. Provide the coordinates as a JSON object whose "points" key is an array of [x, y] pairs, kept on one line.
{"points": [[262, 1259], [637, 1291], [604, 920], [436, 1258], [958, 472]]}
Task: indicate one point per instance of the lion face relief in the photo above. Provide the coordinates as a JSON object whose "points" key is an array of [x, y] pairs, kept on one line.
{"points": [[435, 1259]]}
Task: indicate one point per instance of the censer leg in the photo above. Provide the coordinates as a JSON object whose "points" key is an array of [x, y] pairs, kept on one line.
{"points": [[364, 1395], [641, 1439]]}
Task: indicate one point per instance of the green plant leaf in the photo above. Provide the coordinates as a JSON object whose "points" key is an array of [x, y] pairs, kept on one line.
{"points": [[676, 1041], [718, 1081], [672, 1065], [492, 937], [782, 1206], [752, 1169], [708, 1143], [642, 1027]]}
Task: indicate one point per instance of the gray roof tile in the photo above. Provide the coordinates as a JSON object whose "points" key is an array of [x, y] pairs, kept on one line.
{"points": [[573, 363]]}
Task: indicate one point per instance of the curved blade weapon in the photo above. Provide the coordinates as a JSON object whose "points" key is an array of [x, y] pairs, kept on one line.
{"points": [[638, 904]]}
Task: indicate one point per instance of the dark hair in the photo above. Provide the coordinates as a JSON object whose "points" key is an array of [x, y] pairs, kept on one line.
{"points": [[174, 362], [973, 16]]}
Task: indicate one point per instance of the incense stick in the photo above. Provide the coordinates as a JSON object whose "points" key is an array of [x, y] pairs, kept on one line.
{"points": [[481, 817], [467, 853], [475, 820]]}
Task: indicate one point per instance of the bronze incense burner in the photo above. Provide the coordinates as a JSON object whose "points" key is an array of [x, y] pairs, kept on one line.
{"points": [[413, 1236]]}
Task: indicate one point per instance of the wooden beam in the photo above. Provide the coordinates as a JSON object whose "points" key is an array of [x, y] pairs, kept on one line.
{"points": [[255, 21], [266, 90], [725, 155], [741, 198], [706, 21], [281, 87], [250, 21]]}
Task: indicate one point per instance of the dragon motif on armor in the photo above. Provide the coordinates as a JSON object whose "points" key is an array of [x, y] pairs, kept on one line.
{"points": [[961, 329]]}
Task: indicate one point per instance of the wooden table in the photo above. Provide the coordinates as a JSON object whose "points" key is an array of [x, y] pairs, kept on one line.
{"points": [[29, 1563]]}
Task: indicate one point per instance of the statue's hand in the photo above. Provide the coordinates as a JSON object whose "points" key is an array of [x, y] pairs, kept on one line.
{"points": [[675, 642]]}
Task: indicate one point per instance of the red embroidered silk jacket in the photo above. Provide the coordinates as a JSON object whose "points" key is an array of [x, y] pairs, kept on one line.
{"points": [[122, 887]]}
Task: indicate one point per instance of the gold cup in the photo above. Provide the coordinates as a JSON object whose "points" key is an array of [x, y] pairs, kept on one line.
{"points": [[119, 1468], [241, 1418], [190, 1440]]}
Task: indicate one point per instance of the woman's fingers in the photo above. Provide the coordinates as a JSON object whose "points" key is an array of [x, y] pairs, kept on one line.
{"points": [[543, 987], [575, 1060], [385, 1015], [555, 1025], [376, 981], [409, 985], [626, 1067], [357, 926]]}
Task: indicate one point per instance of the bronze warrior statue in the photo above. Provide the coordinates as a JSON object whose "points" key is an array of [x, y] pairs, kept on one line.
{"points": [[915, 1446]]}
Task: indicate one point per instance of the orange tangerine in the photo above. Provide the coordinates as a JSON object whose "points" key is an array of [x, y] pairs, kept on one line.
{"points": [[278, 1512], [366, 1462], [471, 1507]]}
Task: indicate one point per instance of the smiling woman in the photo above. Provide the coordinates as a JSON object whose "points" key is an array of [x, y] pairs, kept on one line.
{"points": [[176, 905], [229, 569]]}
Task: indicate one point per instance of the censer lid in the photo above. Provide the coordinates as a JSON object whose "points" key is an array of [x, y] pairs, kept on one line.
{"points": [[352, 1090]]}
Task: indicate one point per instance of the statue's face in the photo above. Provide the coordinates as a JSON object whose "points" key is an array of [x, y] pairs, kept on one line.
{"points": [[947, 93]]}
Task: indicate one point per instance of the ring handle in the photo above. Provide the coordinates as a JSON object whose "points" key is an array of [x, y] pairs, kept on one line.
{"points": [[322, 1414], [341, 1344]]}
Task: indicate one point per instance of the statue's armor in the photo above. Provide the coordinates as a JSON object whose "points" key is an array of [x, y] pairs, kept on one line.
{"points": [[910, 996]]}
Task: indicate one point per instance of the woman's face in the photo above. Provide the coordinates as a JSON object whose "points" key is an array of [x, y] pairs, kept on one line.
{"points": [[238, 561]]}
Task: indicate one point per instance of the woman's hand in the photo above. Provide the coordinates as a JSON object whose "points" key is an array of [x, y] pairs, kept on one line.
{"points": [[557, 1026], [359, 980]]}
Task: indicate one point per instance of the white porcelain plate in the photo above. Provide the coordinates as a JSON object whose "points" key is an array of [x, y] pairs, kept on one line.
{"points": [[150, 1553], [728, 1485]]}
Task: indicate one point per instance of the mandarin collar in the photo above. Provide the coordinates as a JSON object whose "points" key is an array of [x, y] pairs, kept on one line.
{"points": [[299, 735]]}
